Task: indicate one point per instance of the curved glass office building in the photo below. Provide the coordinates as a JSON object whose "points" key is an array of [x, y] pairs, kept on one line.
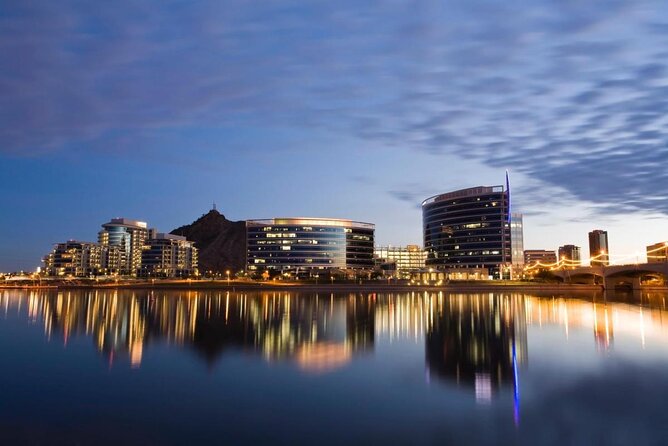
{"points": [[309, 243], [469, 228]]}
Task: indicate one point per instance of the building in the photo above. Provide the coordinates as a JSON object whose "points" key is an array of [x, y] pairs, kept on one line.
{"points": [[657, 252], [534, 257], [517, 241], [569, 256], [129, 236], [168, 255], [599, 254], [305, 244], [74, 258], [406, 259], [469, 228]]}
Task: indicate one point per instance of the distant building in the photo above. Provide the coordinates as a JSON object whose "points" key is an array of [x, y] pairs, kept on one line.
{"points": [[168, 255], [308, 244], [469, 228], [570, 255], [129, 236], [599, 253], [74, 258], [407, 258], [657, 252], [533, 257], [517, 241]]}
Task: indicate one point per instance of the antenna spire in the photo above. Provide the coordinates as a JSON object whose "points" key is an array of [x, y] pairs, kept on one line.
{"points": [[214, 206]]}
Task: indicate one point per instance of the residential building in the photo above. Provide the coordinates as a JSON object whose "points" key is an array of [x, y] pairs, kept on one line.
{"points": [[74, 258], [168, 255], [129, 236]]}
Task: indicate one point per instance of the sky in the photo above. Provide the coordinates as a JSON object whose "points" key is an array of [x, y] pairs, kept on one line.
{"points": [[153, 110]]}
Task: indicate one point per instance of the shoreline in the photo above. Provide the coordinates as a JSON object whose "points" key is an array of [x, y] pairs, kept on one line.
{"points": [[327, 287]]}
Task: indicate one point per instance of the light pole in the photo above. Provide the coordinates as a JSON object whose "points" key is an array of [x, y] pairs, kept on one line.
{"points": [[228, 277]]}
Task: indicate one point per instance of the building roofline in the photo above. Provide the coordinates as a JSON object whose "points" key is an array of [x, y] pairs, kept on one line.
{"points": [[316, 221], [468, 192]]}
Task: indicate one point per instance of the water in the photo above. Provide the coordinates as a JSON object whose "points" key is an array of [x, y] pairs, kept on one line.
{"points": [[143, 367]]}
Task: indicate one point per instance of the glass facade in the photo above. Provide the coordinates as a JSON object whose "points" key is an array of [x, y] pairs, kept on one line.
{"points": [[407, 258], [657, 252], [309, 243], [533, 257], [599, 254], [569, 256], [129, 236], [469, 228], [517, 241]]}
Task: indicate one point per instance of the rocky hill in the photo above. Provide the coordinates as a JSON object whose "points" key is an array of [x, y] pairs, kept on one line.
{"points": [[221, 242]]}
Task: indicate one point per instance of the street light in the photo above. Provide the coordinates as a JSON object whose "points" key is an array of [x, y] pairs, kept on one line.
{"points": [[228, 277]]}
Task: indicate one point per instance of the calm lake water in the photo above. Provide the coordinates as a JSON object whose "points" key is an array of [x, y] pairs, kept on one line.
{"points": [[154, 367]]}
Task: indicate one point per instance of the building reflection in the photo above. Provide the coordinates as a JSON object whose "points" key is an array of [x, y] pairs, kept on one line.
{"points": [[478, 341], [318, 332]]}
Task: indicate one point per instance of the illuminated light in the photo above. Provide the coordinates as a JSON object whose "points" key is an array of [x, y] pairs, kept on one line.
{"points": [[483, 388], [323, 357]]}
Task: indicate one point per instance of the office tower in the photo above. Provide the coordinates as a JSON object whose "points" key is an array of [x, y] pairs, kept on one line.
{"points": [[469, 228], [657, 252], [599, 253], [569, 256], [407, 258], [517, 241], [534, 257], [307, 244]]}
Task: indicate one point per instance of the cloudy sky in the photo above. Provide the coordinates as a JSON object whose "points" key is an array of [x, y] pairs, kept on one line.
{"points": [[352, 109]]}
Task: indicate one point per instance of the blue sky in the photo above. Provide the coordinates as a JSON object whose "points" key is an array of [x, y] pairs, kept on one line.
{"points": [[152, 110]]}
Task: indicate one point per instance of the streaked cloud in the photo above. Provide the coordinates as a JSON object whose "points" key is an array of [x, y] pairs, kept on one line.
{"points": [[571, 93]]}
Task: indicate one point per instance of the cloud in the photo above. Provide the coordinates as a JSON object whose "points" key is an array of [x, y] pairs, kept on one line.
{"points": [[571, 93]]}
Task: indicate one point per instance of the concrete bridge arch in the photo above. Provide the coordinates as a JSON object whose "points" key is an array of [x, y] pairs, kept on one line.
{"points": [[614, 275]]}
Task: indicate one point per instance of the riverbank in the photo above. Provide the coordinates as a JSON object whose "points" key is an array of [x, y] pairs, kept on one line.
{"points": [[365, 286]]}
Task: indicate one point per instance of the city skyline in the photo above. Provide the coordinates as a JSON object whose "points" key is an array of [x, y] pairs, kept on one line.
{"points": [[286, 109], [637, 255]]}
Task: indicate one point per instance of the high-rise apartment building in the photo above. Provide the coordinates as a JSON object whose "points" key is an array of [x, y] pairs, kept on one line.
{"points": [[74, 258], [469, 228], [168, 255], [599, 254], [570, 256], [129, 236]]}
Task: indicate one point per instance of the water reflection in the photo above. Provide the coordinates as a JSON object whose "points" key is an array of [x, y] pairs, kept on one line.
{"points": [[360, 358], [478, 341], [319, 332], [471, 340]]}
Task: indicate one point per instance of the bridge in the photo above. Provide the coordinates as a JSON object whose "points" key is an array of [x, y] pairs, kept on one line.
{"points": [[614, 275]]}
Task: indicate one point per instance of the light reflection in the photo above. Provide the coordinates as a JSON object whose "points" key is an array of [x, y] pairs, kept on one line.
{"points": [[470, 339]]}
